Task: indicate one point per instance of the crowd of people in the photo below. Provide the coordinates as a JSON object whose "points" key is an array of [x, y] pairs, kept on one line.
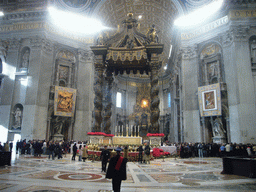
{"points": [[187, 150], [184, 150]]}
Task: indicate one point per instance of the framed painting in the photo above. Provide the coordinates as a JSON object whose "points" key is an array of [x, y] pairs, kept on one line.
{"points": [[209, 98], [64, 101]]}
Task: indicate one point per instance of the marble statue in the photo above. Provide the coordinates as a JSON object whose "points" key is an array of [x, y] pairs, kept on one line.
{"points": [[25, 59], [152, 34], [218, 129], [17, 117], [59, 125], [253, 51]]}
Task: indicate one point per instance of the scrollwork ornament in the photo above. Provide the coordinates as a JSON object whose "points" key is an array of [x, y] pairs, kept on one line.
{"points": [[14, 44], [47, 46], [36, 42], [227, 38]]}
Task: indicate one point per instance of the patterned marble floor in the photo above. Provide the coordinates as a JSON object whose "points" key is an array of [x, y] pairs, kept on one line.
{"points": [[29, 174]]}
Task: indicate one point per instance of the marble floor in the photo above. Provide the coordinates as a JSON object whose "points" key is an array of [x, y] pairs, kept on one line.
{"points": [[29, 174]]}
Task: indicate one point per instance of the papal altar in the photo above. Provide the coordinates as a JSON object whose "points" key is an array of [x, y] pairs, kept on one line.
{"points": [[127, 140]]}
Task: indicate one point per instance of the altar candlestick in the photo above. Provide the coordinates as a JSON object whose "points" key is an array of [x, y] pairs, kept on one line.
{"points": [[116, 131], [138, 130], [127, 130]]}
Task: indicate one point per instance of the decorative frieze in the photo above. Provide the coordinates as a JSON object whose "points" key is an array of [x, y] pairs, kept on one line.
{"points": [[204, 29], [38, 43], [189, 52], [24, 15]]}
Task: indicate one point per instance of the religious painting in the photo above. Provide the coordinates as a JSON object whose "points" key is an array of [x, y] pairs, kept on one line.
{"points": [[209, 98], [64, 101]]}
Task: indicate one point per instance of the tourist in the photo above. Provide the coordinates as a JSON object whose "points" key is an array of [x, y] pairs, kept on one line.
{"points": [[228, 149], [147, 154], [74, 152], [140, 149], [51, 150], [85, 153], [58, 151], [104, 156], [117, 170], [1, 147], [80, 153], [6, 146], [200, 150]]}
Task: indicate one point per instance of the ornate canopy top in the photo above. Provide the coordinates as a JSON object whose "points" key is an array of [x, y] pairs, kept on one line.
{"points": [[128, 49]]}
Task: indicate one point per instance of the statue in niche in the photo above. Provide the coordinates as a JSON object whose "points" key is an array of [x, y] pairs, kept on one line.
{"points": [[152, 34], [218, 129], [253, 51], [58, 126], [144, 119], [25, 59], [17, 118], [213, 70]]}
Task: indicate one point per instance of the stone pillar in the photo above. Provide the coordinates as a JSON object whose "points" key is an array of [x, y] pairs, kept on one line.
{"points": [[98, 82], [240, 85], [188, 96], [108, 106], [8, 87], [154, 93], [85, 96]]}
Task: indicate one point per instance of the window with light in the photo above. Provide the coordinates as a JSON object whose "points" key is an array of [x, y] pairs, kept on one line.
{"points": [[118, 99], [169, 99]]}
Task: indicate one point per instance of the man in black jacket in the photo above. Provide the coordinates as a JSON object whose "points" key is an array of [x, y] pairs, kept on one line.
{"points": [[105, 155], [117, 170], [74, 152]]}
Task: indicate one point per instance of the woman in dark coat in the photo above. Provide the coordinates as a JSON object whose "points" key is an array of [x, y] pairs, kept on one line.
{"points": [[117, 170]]}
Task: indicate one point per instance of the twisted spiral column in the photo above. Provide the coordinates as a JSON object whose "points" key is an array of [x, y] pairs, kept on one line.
{"points": [[98, 82], [108, 106], [155, 112]]}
